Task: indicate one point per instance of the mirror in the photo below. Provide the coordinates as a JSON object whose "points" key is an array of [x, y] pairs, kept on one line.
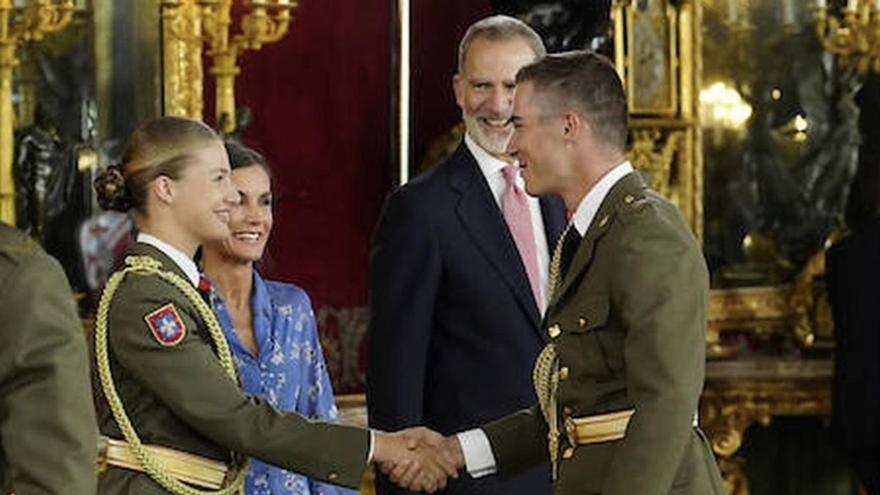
{"points": [[780, 141]]}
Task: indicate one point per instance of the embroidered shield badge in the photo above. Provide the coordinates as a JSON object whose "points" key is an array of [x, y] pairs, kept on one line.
{"points": [[166, 325]]}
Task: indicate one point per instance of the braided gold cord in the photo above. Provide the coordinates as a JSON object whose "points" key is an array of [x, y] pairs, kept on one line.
{"points": [[153, 467], [545, 374]]}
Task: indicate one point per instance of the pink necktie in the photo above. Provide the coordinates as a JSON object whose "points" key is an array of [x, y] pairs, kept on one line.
{"points": [[515, 206]]}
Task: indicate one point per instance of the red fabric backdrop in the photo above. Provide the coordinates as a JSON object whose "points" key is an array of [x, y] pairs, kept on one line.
{"points": [[321, 99], [437, 28]]}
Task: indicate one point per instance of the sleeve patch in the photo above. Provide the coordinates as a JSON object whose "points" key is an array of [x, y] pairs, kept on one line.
{"points": [[166, 325]]}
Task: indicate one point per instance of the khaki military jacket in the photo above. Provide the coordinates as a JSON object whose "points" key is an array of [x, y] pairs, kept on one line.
{"points": [[177, 395], [47, 420], [629, 322]]}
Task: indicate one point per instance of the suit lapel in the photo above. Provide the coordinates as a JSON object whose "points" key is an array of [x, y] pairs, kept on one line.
{"points": [[628, 185], [481, 218]]}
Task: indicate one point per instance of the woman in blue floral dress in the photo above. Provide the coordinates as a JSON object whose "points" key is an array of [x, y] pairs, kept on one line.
{"points": [[270, 325]]}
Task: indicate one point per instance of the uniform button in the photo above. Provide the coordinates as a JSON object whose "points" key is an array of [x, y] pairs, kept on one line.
{"points": [[568, 453], [603, 221], [582, 322], [554, 331], [566, 411], [629, 199], [563, 373], [332, 476]]}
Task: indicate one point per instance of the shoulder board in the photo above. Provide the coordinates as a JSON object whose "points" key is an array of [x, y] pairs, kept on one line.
{"points": [[632, 203]]}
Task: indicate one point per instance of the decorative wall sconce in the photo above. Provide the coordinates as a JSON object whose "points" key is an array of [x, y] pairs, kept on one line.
{"points": [[192, 23]]}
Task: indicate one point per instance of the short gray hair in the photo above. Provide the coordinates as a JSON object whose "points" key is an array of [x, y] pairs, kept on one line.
{"points": [[500, 28]]}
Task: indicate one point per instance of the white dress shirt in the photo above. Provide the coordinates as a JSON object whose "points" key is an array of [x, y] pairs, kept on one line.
{"points": [[589, 206], [491, 168], [177, 256], [478, 456]]}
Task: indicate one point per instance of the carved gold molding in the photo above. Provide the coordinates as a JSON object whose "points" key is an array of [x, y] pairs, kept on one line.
{"points": [[191, 25], [666, 141], [800, 309], [739, 394], [183, 76]]}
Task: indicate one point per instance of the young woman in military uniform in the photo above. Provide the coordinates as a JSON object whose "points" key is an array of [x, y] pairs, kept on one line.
{"points": [[171, 411]]}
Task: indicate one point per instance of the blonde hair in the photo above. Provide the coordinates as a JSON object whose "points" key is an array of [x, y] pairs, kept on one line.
{"points": [[161, 146]]}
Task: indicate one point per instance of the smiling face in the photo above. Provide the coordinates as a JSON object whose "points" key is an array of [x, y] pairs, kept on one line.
{"points": [[251, 221], [538, 144], [484, 89], [204, 196]]}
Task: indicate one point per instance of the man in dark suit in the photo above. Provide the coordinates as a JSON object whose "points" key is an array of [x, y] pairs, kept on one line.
{"points": [[853, 269], [621, 374], [459, 270]]}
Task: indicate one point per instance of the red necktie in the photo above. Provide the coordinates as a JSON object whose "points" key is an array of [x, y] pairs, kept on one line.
{"points": [[205, 289]]}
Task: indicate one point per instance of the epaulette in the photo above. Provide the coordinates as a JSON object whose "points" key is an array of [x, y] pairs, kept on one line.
{"points": [[632, 203]]}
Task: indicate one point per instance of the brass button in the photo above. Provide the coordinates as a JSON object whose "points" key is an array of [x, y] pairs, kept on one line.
{"points": [[554, 331], [566, 411], [629, 199], [568, 453], [332, 476], [582, 322], [563, 373], [603, 221]]}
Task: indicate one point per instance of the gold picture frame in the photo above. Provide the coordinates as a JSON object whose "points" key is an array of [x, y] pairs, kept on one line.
{"points": [[650, 50]]}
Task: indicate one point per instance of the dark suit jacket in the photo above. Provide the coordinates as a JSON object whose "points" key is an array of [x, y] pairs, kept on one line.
{"points": [[454, 329], [629, 326], [853, 273]]}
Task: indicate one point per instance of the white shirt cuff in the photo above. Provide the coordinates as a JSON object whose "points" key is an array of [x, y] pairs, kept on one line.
{"points": [[372, 446], [478, 457]]}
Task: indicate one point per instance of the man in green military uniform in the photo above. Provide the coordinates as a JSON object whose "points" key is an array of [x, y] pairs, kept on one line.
{"points": [[622, 371], [47, 430]]}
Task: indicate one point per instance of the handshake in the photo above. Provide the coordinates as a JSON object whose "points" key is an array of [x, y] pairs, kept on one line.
{"points": [[418, 459]]}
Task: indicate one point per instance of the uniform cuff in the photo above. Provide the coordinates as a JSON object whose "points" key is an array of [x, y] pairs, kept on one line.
{"points": [[478, 457]]}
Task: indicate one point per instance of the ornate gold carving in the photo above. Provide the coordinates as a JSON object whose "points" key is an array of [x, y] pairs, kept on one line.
{"points": [[20, 24], [666, 139], [188, 24], [182, 58], [800, 309], [267, 21], [854, 35], [740, 394], [653, 152], [813, 323]]}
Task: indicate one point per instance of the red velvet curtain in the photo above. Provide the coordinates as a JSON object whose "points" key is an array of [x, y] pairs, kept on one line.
{"points": [[321, 100]]}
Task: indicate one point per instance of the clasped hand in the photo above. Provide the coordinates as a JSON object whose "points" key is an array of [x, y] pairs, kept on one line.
{"points": [[417, 458]]}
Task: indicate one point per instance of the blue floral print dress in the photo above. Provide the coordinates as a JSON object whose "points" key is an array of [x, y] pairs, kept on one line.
{"points": [[289, 373]]}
